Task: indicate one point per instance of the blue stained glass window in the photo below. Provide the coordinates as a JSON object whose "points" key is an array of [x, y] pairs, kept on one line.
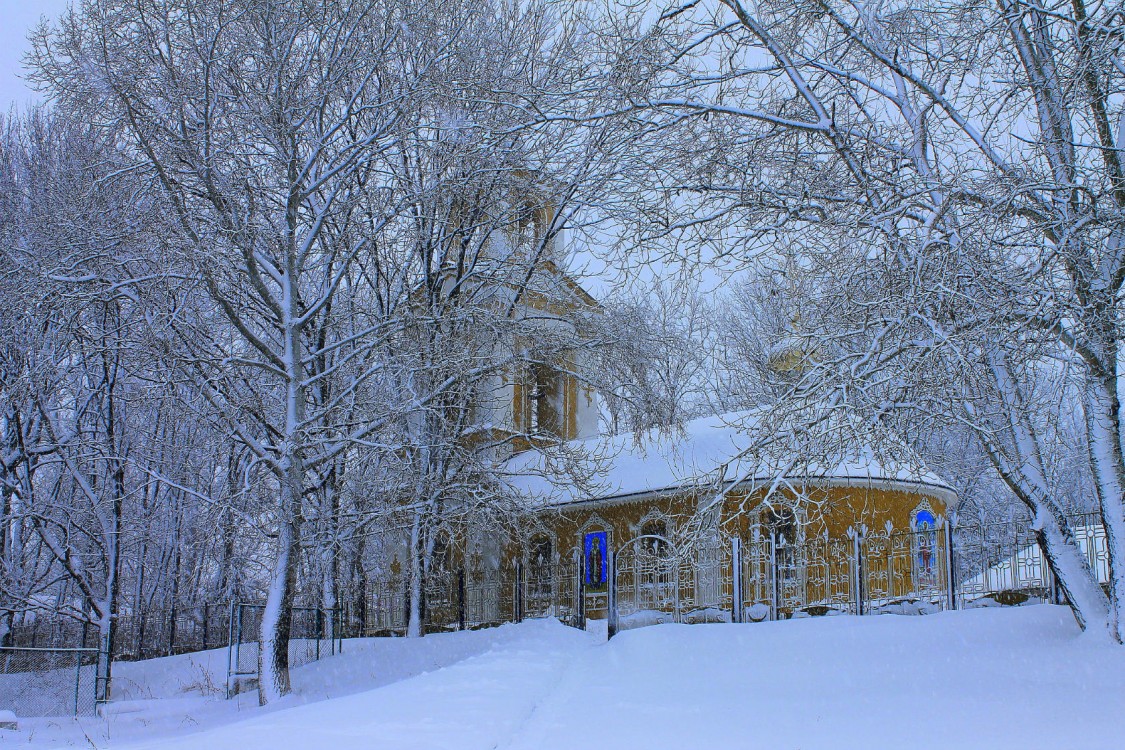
{"points": [[925, 546], [594, 552]]}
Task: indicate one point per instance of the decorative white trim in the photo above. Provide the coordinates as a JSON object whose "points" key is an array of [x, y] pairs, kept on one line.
{"points": [[591, 522], [946, 494], [654, 514], [923, 506]]}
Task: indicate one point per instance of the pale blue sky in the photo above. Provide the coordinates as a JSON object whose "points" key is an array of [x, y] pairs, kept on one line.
{"points": [[17, 17]]}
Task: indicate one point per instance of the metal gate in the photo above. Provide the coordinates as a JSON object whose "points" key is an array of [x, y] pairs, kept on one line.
{"points": [[646, 579], [706, 581], [311, 638], [551, 590]]}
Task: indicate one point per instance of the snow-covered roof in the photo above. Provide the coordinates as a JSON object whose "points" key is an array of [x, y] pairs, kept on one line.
{"points": [[720, 450]]}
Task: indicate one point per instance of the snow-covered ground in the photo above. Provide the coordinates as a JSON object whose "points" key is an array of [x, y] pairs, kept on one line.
{"points": [[990, 678]]}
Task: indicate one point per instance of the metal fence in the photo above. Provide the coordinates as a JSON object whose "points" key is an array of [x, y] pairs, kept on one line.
{"points": [[52, 665], [551, 590], [916, 571], [144, 635], [167, 632], [723, 579], [1002, 563], [313, 634], [50, 681], [45, 630], [472, 599]]}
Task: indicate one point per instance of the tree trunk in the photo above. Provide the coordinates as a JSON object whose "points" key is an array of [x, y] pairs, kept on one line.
{"points": [[1076, 580], [1087, 601], [113, 543], [1104, 427], [330, 555], [414, 627], [277, 619]]}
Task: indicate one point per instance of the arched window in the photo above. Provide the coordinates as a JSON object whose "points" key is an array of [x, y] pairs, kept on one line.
{"points": [[540, 576], [545, 395], [654, 535], [782, 528], [654, 567], [541, 550], [924, 526], [529, 226], [781, 522]]}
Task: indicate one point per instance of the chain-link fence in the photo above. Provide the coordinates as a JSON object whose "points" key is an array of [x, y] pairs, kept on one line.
{"points": [[48, 630], [313, 634], [138, 635], [49, 681], [165, 632]]}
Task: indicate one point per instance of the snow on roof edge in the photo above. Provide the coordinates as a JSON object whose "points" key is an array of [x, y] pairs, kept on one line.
{"points": [[708, 451]]}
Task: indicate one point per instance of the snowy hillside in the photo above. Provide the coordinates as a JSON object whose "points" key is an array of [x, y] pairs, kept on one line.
{"points": [[997, 678]]}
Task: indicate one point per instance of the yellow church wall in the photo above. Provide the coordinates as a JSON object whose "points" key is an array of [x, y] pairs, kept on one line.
{"points": [[824, 513], [825, 509], [832, 509]]}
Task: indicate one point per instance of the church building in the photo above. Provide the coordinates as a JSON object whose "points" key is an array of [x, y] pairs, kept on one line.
{"points": [[691, 523], [695, 527]]}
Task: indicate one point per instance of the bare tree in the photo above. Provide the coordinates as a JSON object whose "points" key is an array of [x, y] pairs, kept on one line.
{"points": [[334, 178], [264, 126], [73, 236], [652, 368], [951, 175]]}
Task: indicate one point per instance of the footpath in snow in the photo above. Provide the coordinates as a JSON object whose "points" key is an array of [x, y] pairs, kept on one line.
{"points": [[996, 678]]}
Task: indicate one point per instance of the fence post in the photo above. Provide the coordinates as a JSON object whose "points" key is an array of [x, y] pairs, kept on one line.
{"points": [[172, 631], [856, 534], [140, 634], [736, 579], [950, 563], [518, 604], [319, 630], [78, 683], [582, 593], [205, 628], [773, 576], [611, 595], [234, 629], [406, 605], [461, 598]]}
